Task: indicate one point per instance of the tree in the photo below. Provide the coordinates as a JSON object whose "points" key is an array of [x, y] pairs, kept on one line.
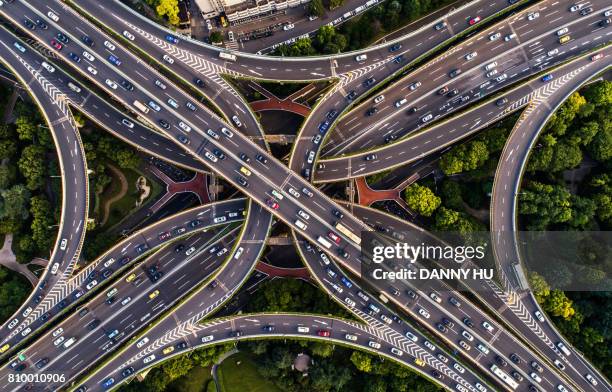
{"points": [[127, 159], [565, 156], [15, 202], [26, 130], [216, 37], [32, 166], [7, 175], [169, 9], [421, 199], [8, 149], [563, 117], [559, 305], [464, 157], [584, 134], [544, 204], [316, 8], [42, 219], [600, 147], [335, 4], [362, 361], [539, 287], [600, 93], [322, 349]]}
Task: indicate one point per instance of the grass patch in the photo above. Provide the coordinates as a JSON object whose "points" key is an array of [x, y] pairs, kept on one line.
{"points": [[197, 380], [243, 377]]}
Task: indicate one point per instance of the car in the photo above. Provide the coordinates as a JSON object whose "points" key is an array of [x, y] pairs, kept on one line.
{"points": [[370, 157], [108, 382], [148, 359], [272, 204], [411, 336], [351, 95], [374, 344], [190, 106], [501, 77], [494, 36], [111, 84], [459, 368], [442, 358], [323, 126], [168, 350], [317, 139], [452, 93], [361, 57], [515, 358], [443, 90], [94, 71], [395, 47], [323, 333], [562, 31], [242, 181], [468, 322], [590, 379], [218, 153], [91, 284], [41, 24], [183, 139], [501, 101], [415, 85], [163, 123], [379, 99], [471, 55], [334, 237], [310, 157], [42, 362], [559, 364], [126, 85], [575, 7], [262, 159], [424, 313], [517, 376], [154, 294], [368, 82], [539, 316], [478, 385], [236, 121], [168, 59], [172, 39], [21, 367], [509, 37], [547, 78], [454, 72], [109, 45], [127, 371], [59, 341], [533, 15], [29, 24], [552, 52], [128, 35], [467, 335], [464, 345], [62, 38], [288, 26], [50, 14], [486, 325], [56, 44], [199, 82], [565, 39], [447, 322], [561, 388], [439, 26], [474, 20], [500, 361], [74, 57]]}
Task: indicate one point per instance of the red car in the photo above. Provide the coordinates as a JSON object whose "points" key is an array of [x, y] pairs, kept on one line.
{"points": [[475, 20], [272, 204], [56, 44], [323, 333], [164, 235], [597, 56], [334, 237]]}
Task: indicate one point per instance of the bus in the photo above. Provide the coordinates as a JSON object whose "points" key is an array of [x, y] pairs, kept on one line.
{"points": [[509, 381], [344, 230], [324, 242], [141, 107], [227, 56]]}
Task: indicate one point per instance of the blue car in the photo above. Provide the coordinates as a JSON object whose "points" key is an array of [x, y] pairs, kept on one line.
{"points": [[113, 59], [346, 282], [172, 39], [399, 59], [108, 382], [323, 127], [548, 77], [74, 57], [395, 48]]}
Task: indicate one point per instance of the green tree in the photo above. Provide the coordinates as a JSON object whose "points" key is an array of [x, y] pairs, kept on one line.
{"points": [[584, 134], [42, 219], [600, 147], [600, 93], [169, 9], [464, 157], [15, 202], [8, 149], [32, 166], [565, 156], [216, 37], [564, 116], [335, 4], [26, 129], [539, 287], [421, 199], [544, 204], [7, 175], [559, 305], [322, 349], [362, 361], [315, 8]]}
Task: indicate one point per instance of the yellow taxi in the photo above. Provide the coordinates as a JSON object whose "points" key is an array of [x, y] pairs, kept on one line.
{"points": [[4, 348], [130, 278], [565, 39], [154, 294], [168, 350]]}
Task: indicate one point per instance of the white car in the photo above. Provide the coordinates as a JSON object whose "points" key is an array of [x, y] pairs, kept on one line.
{"points": [[55, 268], [128, 124], [429, 345], [533, 15], [109, 45], [236, 121], [26, 331], [303, 214], [386, 319], [128, 35], [415, 85], [227, 132], [289, 26], [325, 259], [379, 99], [591, 379], [210, 157], [172, 103], [58, 332], [184, 126], [317, 139], [208, 25], [58, 341], [535, 377], [491, 74], [311, 156], [307, 192], [467, 335], [168, 59], [374, 344], [142, 342], [427, 118], [435, 297], [88, 56], [553, 52], [13, 323], [149, 358], [411, 336], [53, 16], [397, 352], [487, 326], [111, 84], [575, 7], [27, 311], [294, 193], [91, 284], [350, 337], [92, 70], [539, 315], [212, 134], [424, 313], [48, 66], [63, 244], [494, 37], [361, 57], [190, 251], [561, 388], [207, 338], [562, 31], [480, 387], [470, 56], [125, 301], [501, 77], [459, 368], [349, 302]]}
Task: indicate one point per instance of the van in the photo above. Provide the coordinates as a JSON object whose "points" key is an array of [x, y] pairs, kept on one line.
{"points": [[301, 224], [69, 342], [303, 329], [245, 171], [400, 103], [563, 348], [490, 66]]}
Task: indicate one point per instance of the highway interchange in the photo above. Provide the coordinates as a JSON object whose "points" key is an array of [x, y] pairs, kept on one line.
{"points": [[218, 152]]}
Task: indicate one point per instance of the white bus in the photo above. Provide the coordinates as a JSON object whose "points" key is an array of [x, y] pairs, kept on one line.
{"points": [[227, 56], [324, 242], [141, 107], [509, 381], [344, 230]]}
